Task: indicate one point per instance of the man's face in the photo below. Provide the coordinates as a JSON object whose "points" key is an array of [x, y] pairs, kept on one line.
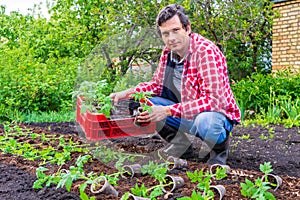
{"points": [[175, 36]]}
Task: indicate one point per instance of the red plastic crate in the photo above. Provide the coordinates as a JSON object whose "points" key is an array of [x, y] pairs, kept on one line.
{"points": [[97, 127]]}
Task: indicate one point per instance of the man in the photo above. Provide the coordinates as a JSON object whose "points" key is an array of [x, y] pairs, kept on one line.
{"points": [[191, 90]]}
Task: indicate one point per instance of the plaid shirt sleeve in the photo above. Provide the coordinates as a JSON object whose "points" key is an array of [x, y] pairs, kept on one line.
{"points": [[156, 83]]}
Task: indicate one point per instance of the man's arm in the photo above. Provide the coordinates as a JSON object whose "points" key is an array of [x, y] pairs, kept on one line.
{"points": [[121, 95]]}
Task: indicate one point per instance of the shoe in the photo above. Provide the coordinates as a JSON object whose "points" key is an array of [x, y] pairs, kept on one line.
{"points": [[177, 151], [179, 144], [219, 153]]}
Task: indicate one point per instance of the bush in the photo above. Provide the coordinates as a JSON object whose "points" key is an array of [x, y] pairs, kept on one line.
{"points": [[259, 91], [28, 85]]}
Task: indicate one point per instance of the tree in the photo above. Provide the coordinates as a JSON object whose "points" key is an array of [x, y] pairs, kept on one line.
{"points": [[241, 29], [101, 37], [120, 31]]}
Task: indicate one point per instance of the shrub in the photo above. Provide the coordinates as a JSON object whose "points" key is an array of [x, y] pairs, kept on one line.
{"points": [[28, 85], [259, 91]]}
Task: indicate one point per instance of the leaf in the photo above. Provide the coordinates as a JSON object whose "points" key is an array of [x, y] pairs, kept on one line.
{"points": [[38, 184], [266, 168], [195, 196], [40, 172], [156, 192], [184, 198], [125, 196], [195, 176], [269, 196], [247, 188], [158, 171], [53, 180], [84, 196], [220, 173], [68, 184], [139, 191]]}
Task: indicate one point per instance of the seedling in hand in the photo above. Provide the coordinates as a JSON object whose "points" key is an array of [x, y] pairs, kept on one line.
{"points": [[142, 97]]}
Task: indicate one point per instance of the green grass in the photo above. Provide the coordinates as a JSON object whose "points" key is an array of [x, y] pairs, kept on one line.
{"points": [[49, 117], [66, 116]]}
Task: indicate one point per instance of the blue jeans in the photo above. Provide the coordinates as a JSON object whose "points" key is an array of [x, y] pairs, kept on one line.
{"points": [[211, 127]]}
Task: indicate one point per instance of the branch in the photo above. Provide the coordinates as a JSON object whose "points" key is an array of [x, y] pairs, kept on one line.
{"points": [[109, 63]]}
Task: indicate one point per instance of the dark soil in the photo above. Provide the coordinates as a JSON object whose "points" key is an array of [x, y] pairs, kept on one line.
{"points": [[275, 144]]}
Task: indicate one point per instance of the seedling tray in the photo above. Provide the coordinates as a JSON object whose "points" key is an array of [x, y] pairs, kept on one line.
{"points": [[97, 126]]}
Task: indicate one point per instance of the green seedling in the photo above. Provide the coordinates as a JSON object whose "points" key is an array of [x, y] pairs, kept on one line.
{"points": [[34, 136], [106, 155], [263, 137], [95, 97], [195, 196], [46, 153], [203, 185], [74, 173], [157, 171], [258, 189], [145, 192], [142, 98], [246, 137], [66, 177], [43, 179], [266, 168], [204, 180]]}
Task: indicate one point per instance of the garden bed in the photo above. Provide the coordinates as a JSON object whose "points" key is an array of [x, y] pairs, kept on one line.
{"points": [[250, 147]]}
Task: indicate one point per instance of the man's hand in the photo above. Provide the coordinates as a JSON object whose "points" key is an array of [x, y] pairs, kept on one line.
{"points": [[120, 95], [158, 113]]}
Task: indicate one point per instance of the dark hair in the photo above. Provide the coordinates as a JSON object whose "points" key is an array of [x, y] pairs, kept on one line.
{"points": [[170, 11]]}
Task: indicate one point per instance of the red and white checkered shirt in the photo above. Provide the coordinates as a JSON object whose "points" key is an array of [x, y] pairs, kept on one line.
{"points": [[204, 85]]}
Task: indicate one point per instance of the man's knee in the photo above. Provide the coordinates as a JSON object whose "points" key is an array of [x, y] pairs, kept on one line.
{"points": [[210, 127]]}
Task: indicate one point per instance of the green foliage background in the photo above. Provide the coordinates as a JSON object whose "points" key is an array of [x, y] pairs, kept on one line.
{"points": [[42, 61], [261, 93]]}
